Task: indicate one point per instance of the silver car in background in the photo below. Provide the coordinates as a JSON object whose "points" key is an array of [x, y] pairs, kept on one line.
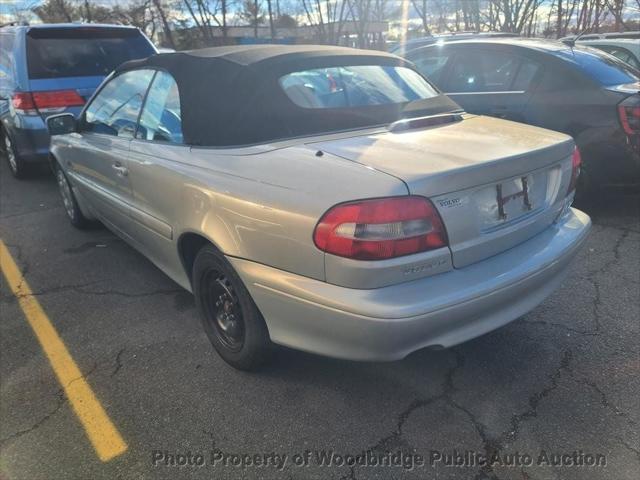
{"points": [[326, 199]]}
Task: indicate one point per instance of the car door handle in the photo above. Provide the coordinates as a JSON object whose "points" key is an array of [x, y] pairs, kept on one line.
{"points": [[122, 171]]}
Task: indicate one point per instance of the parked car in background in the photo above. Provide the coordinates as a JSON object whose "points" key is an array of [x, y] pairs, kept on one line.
{"points": [[323, 198], [47, 69], [626, 49], [580, 91], [402, 48], [599, 36]]}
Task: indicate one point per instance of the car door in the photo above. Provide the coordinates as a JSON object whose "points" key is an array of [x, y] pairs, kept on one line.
{"points": [[97, 160], [156, 154], [491, 82]]}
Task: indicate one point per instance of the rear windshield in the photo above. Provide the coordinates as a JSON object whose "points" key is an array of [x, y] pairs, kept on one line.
{"points": [[355, 86], [601, 67], [82, 52]]}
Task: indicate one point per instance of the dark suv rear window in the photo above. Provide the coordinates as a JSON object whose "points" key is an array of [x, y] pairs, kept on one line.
{"points": [[82, 52], [604, 69]]}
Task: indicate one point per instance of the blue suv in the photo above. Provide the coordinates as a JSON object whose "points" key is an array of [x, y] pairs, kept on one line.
{"points": [[48, 69]]}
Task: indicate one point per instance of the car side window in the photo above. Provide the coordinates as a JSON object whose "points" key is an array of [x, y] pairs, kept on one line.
{"points": [[6, 62], [114, 111], [161, 120], [431, 66], [477, 71], [526, 73], [621, 53]]}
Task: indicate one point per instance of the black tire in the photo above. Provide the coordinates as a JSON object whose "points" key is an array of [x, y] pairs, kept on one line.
{"points": [[586, 189], [16, 165], [69, 201], [229, 316]]}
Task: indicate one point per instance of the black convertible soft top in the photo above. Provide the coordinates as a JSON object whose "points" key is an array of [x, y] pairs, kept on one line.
{"points": [[230, 96]]}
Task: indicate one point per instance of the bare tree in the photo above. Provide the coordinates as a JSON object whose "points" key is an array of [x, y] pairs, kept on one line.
{"points": [[328, 17], [420, 6], [165, 23], [55, 11], [617, 7], [251, 14], [513, 15], [272, 27]]}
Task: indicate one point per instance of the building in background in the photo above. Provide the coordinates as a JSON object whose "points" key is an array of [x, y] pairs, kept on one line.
{"points": [[348, 34]]}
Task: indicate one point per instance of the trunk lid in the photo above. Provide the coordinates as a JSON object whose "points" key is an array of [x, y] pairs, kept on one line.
{"points": [[495, 183]]}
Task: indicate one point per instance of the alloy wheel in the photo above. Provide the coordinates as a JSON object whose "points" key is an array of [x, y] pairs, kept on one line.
{"points": [[11, 156], [65, 193]]}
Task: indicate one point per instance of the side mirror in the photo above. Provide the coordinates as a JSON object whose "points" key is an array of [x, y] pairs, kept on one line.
{"points": [[61, 124]]}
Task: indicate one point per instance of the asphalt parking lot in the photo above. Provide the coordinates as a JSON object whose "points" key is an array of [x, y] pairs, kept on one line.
{"points": [[563, 379]]}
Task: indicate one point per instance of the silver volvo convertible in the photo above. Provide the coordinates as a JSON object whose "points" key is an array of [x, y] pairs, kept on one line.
{"points": [[326, 199]]}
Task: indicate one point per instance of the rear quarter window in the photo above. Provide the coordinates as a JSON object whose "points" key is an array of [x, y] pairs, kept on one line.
{"points": [[82, 52], [431, 65], [486, 71], [355, 86], [602, 68]]}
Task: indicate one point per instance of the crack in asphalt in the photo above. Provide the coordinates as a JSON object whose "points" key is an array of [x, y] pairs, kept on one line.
{"points": [[597, 299], [544, 323], [96, 244], [160, 291], [29, 212], [62, 399], [82, 290], [19, 258], [394, 439], [79, 288], [118, 362], [615, 227], [605, 402], [491, 445], [536, 398], [626, 445]]}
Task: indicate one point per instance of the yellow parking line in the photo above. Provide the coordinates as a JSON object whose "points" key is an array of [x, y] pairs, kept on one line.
{"points": [[104, 436]]}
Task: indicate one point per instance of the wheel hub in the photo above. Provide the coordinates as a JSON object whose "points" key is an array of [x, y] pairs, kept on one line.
{"points": [[225, 316], [8, 148], [65, 193], [226, 313]]}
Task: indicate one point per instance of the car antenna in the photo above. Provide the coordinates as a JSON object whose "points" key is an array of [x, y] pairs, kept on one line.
{"points": [[572, 41]]}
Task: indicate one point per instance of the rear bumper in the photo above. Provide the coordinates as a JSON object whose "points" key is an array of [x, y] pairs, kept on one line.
{"points": [[443, 310]]}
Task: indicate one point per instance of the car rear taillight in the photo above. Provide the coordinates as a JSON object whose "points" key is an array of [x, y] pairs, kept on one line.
{"points": [[380, 228], [629, 112], [30, 103], [23, 103], [576, 164]]}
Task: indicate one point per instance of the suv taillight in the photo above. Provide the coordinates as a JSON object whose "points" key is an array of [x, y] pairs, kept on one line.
{"points": [[629, 112], [30, 103], [382, 228], [23, 103], [576, 164]]}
